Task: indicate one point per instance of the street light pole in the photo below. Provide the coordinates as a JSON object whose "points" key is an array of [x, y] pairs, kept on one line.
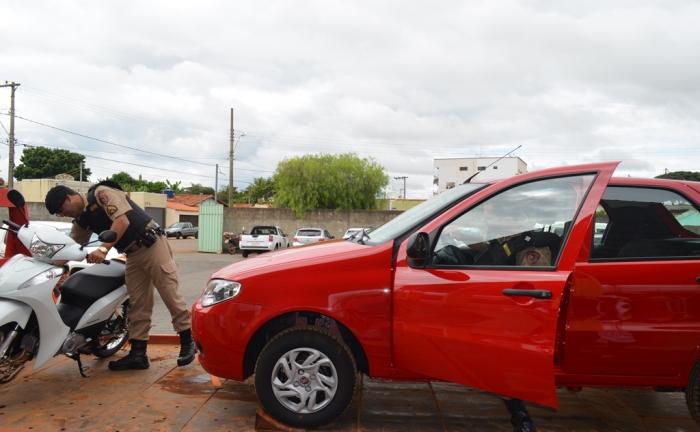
{"points": [[404, 184]]}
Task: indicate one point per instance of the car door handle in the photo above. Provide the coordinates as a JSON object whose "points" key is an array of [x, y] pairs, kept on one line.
{"points": [[697, 279], [540, 294]]}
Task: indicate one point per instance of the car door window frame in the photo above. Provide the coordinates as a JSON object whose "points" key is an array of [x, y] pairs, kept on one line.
{"points": [[593, 260], [435, 236]]}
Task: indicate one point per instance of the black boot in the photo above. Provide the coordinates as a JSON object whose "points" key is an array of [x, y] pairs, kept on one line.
{"points": [[519, 417], [136, 359], [187, 349]]}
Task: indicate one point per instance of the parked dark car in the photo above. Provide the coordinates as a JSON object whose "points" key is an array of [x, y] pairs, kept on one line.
{"points": [[182, 230]]}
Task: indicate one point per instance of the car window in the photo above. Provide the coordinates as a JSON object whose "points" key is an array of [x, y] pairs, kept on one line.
{"points": [[409, 219], [645, 223], [263, 231], [522, 226], [309, 233]]}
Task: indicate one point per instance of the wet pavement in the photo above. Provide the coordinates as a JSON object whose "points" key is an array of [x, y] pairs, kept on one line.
{"points": [[165, 397]]}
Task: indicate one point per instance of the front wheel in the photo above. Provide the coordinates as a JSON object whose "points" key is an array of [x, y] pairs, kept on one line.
{"points": [[244, 253], [305, 377], [114, 334]]}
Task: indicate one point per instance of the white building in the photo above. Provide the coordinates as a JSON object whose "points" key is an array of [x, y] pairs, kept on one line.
{"points": [[450, 172]]}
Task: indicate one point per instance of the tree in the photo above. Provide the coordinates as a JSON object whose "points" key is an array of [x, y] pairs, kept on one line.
{"points": [[42, 162], [124, 180], [130, 184], [262, 189], [197, 188], [681, 175], [328, 181]]}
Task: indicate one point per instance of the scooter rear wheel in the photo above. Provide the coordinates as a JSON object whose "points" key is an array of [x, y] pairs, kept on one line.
{"points": [[118, 333]]}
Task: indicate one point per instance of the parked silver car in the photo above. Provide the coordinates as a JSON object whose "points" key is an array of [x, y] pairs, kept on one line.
{"points": [[305, 236]]}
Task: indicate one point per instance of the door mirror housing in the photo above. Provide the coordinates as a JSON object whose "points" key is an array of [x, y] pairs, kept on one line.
{"points": [[418, 250], [17, 199]]}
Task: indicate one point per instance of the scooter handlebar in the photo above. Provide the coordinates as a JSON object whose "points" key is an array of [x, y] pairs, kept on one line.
{"points": [[12, 225]]}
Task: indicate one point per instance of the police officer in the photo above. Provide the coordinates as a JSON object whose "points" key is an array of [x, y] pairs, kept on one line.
{"points": [[150, 261]]}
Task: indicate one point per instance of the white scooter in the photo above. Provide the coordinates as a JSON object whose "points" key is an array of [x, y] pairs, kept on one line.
{"points": [[89, 317]]}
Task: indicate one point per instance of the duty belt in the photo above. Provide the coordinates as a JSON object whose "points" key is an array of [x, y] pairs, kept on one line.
{"points": [[147, 238]]}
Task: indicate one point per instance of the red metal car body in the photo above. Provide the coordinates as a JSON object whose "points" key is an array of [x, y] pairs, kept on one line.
{"points": [[427, 303]]}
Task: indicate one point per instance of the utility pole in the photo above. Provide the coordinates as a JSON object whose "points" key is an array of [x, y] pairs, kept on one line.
{"points": [[11, 168], [230, 164], [216, 183], [404, 184], [81, 174]]}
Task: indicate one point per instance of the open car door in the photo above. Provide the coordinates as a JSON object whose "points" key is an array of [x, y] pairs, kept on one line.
{"points": [[479, 304]]}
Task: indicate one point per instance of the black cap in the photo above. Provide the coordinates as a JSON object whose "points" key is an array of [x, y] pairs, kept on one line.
{"points": [[56, 197]]}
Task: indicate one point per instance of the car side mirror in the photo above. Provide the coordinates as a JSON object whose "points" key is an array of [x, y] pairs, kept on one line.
{"points": [[107, 236], [418, 250]]}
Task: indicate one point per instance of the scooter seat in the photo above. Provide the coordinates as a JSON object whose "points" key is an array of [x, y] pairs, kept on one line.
{"points": [[85, 287]]}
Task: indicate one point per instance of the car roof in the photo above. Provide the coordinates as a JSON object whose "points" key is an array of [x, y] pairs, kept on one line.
{"points": [[310, 228]]}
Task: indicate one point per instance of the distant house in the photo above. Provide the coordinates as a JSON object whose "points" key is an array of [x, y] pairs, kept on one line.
{"points": [[185, 208], [450, 172]]}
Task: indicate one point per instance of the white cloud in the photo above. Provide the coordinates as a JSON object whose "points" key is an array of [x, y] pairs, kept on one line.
{"points": [[401, 82]]}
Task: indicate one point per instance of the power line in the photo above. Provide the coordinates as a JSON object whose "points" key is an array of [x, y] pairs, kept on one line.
{"points": [[128, 147], [108, 142]]}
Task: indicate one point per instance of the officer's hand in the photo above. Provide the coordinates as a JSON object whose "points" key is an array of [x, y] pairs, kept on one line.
{"points": [[96, 256]]}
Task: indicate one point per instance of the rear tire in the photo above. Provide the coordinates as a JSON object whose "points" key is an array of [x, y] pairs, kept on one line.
{"points": [[118, 326], [316, 365], [244, 253]]}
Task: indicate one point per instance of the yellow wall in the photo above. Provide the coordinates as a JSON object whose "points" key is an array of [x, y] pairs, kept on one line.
{"points": [[34, 190], [149, 199]]}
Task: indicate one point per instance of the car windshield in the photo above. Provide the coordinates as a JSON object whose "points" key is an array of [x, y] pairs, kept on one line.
{"points": [[263, 230], [175, 225], [309, 233], [408, 219]]}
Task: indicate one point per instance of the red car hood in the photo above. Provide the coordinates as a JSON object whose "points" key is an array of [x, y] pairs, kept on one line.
{"points": [[287, 259]]}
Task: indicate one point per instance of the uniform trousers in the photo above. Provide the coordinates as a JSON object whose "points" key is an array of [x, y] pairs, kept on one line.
{"points": [[146, 268]]}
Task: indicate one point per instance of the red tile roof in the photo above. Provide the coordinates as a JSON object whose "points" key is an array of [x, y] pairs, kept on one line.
{"points": [[191, 200], [182, 207]]}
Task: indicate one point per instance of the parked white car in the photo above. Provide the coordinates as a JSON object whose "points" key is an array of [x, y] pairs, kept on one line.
{"points": [[66, 228], [263, 238], [305, 236]]}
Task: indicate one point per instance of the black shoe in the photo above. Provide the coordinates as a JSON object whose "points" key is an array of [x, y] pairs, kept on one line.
{"points": [[136, 359], [187, 348]]}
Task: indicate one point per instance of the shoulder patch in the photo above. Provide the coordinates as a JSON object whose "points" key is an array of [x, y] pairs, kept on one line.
{"points": [[111, 209]]}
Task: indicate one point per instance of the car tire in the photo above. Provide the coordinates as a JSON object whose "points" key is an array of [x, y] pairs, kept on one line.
{"points": [[244, 254], [332, 394], [178, 236], [692, 393]]}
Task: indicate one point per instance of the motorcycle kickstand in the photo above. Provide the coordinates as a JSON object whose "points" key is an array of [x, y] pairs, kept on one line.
{"points": [[76, 357]]}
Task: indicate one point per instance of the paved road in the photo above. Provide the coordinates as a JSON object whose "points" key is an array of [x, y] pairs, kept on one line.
{"points": [[194, 269]]}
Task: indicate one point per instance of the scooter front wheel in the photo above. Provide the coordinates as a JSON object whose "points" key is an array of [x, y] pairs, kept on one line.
{"points": [[114, 334]]}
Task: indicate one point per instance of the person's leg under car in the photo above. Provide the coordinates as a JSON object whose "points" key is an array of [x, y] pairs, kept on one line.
{"points": [[165, 279], [519, 417], [138, 285]]}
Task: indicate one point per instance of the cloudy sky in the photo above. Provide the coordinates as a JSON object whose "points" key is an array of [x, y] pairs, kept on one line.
{"points": [[401, 82]]}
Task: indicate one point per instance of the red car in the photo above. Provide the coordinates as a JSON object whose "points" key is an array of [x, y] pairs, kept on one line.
{"points": [[561, 277]]}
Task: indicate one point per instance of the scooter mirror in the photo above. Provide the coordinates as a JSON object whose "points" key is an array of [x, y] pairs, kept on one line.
{"points": [[107, 236], [16, 199]]}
